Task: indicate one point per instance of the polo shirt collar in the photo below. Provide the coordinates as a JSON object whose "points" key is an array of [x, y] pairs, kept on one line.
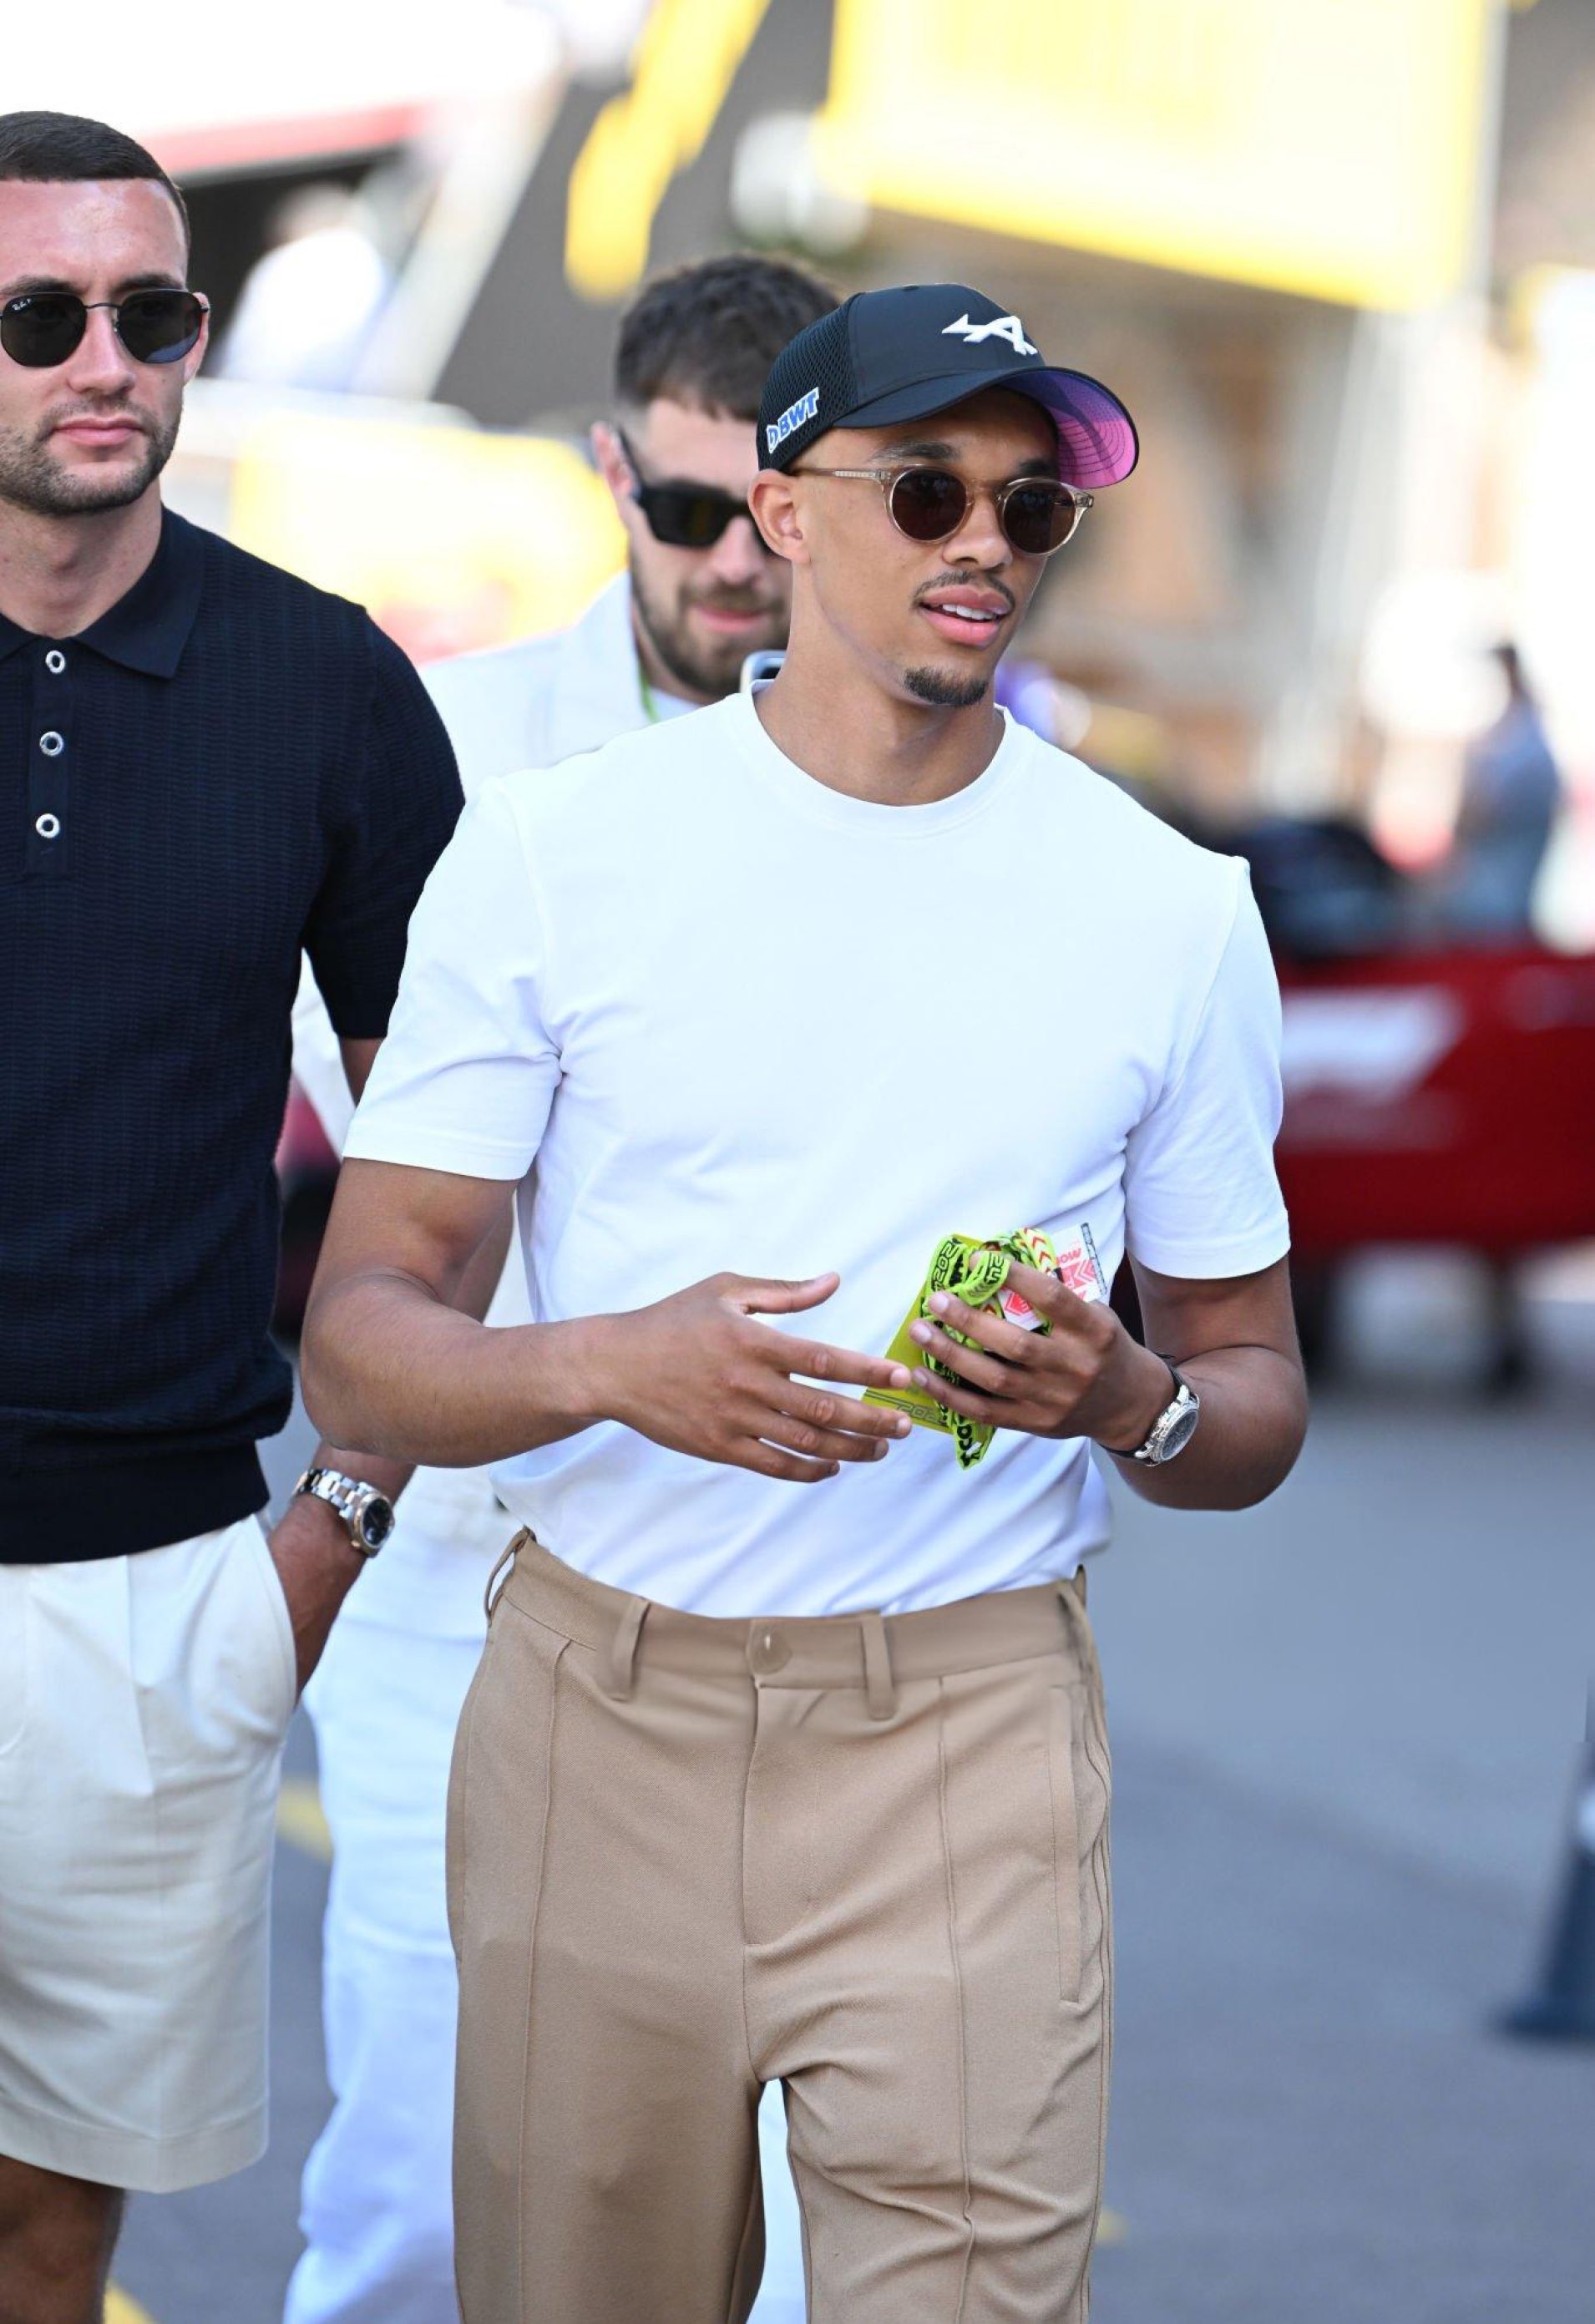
{"points": [[147, 629]]}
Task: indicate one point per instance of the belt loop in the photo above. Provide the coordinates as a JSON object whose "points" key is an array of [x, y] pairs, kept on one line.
{"points": [[1071, 1603], [492, 1594], [879, 1688], [622, 1650], [1072, 1599]]}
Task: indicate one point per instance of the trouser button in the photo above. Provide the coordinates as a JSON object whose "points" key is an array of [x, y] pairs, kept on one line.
{"points": [[768, 1650]]}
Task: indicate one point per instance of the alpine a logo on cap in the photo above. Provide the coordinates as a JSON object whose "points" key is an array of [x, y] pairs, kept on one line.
{"points": [[1001, 327], [794, 416]]}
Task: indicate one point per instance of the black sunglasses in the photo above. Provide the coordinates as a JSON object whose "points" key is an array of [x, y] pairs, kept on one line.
{"points": [[1037, 514], [40, 329], [682, 516]]}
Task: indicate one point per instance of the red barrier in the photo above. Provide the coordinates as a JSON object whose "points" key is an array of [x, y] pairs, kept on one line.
{"points": [[1442, 1097]]}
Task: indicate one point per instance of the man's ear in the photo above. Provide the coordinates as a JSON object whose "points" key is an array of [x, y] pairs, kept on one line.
{"points": [[772, 500], [611, 461], [196, 353]]}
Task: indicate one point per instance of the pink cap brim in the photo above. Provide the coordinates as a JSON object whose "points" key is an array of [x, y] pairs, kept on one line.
{"points": [[1097, 442]]}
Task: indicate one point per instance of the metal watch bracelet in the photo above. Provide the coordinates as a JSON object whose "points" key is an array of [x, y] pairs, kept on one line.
{"points": [[366, 1512]]}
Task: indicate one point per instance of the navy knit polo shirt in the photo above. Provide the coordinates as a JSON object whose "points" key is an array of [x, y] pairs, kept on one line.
{"points": [[227, 769]]}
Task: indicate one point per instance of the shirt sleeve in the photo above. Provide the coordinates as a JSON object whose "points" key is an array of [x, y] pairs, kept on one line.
{"points": [[319, 1062], [468, 1074], [1202, 1198], [397, 823]]}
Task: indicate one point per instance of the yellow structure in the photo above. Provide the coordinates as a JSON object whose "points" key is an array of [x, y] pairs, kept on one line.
{"points": [[301, 1820], [121, 2308], [686, 58], [1327, 147], [453, 538]]}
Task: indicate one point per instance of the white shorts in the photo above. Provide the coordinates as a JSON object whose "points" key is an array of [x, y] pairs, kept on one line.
{"points": [[143, 1705]]}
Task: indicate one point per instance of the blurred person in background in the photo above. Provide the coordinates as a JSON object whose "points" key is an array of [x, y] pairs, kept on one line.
{"points": [[700, 592], [311, 301], [215, 769], [1511, 791], [740, 991]]}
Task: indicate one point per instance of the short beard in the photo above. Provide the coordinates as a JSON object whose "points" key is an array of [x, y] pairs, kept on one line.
{"points": [[33, 480], [945, 693], [713, 678]]}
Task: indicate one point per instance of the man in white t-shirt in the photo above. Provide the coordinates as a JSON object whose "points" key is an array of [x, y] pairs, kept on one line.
{"points": [[786, 1758], [700, 592]]}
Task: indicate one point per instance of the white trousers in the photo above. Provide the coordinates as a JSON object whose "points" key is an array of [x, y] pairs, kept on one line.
{"points": [[142, 1704], [376, 2209]]}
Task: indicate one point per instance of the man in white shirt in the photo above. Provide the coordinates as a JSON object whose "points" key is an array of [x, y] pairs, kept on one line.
{"points": [[757, 1784], [700, 592]]}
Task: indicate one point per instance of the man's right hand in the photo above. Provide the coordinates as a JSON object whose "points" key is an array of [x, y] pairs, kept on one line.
{"points": [[697, 1374], [390, 1366]]}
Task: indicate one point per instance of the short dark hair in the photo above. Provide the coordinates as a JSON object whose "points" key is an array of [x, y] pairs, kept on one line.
{"points": [[44, 149], [707, 334]]}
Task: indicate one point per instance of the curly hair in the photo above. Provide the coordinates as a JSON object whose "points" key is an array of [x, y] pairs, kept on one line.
{"points": [[707, 334]]}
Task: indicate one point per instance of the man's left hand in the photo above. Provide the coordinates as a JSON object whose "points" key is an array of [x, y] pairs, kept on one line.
{"points": [[316, 1563], [1084, 1376]]}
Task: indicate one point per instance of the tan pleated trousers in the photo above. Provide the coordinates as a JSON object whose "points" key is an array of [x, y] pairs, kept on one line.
{"points": [[867, 1856]]}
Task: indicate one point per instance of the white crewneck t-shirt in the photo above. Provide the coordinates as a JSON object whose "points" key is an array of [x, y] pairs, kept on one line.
{"points": [[710, 1013]]}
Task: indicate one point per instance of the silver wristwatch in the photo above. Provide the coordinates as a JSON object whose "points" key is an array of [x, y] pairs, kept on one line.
{"points": [[367, 1513], [1172, 1430]]}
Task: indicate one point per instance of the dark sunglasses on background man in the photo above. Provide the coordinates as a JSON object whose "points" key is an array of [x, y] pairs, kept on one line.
{"points": [[40, 329], [683, 515], [1037, 514]]}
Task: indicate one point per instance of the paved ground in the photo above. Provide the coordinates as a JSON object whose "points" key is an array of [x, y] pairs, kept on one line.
{"points": [[1344, 1729]]}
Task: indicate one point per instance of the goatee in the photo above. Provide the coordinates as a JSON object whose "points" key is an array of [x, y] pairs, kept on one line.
{"points": [[944, 692]]}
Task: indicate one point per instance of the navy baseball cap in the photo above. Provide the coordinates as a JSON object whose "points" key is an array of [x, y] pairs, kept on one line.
{"points": [[904, 353]]}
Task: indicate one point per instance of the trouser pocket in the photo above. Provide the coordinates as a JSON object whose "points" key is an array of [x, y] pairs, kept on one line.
{"points": [[1077, 1763], [1066, 1839]]}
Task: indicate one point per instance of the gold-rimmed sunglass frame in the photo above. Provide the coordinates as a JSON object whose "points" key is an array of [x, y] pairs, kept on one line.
{"points": [[1069, 496]]}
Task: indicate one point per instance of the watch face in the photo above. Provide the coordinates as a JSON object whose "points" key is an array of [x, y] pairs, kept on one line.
{"points": [[1182, 1428], [376, 1522]]}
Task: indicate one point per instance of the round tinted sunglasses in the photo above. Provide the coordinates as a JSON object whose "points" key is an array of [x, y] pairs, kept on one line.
{"points": [[1037, 514], [683, 515], [40, 329]]}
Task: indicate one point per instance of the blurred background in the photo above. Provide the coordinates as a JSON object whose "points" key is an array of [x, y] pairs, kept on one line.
{"points": [[1339, 256]]}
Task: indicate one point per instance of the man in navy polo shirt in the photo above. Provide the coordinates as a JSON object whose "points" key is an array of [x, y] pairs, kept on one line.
{"points": [[209, 769]]}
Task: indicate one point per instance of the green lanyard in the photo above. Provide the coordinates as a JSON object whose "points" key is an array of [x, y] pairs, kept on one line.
{"points": [[977, 1273], [649, 704]]}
